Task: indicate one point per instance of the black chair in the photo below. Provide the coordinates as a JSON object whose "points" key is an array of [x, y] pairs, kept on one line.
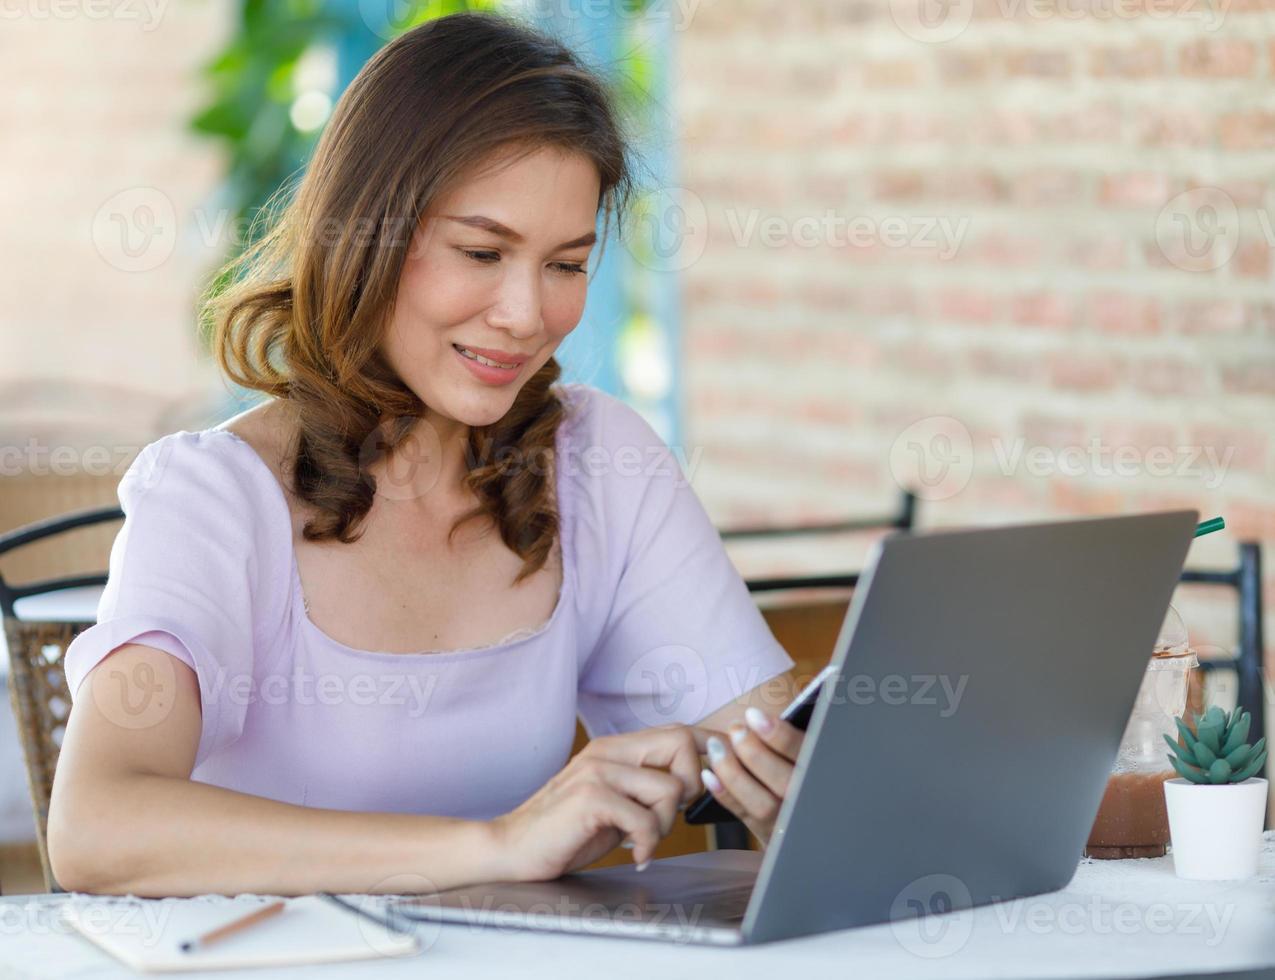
{"points": [[38, 689], [732, 834], [1249, 661]]}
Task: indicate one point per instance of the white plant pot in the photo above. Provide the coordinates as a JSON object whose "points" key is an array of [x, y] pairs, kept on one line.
{"points": [[1216, 830]]}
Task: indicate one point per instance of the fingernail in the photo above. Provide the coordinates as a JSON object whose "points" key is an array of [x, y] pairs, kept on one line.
{"points": [[759, 721], [716, 750], [737, 733], [710, 780], [627, 844], [642, 866]]}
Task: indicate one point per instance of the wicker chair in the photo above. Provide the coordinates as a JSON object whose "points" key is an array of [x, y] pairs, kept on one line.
{"points": [[37, 683]]}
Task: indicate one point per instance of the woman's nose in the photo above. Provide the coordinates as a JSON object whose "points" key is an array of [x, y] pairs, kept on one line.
{"points": [[517, 307]]}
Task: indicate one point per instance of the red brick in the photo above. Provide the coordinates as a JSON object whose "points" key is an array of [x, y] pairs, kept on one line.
{"points": [[1252, 378], [1218, 58], [993, 362], [1044, 187], [1246, 131], [1147, 189], [896, 73], [1143, 60], [898, 186], [1248, 447], [1211, 316], [1038, 63], [1078, 496], [1083, 372], [1052, 430], [1102, 254], [968, 305], [1124, 314], [1164, 376], [1253, 259], [1042, 310]]}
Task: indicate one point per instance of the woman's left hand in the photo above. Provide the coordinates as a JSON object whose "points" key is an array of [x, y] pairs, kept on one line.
{"points": [[749, 772]]}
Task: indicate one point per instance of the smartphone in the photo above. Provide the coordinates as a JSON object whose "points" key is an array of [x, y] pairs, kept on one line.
{"points": [[706, 809]]}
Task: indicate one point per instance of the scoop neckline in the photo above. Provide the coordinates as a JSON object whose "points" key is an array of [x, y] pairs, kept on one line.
{"points": [[296, 600]]}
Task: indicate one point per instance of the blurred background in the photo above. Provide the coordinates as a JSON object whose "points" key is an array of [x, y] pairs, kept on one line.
{"points": [[1011, 255]]}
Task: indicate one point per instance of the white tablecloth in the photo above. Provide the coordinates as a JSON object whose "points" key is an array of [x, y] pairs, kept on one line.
{"points": [[1115, 918]]}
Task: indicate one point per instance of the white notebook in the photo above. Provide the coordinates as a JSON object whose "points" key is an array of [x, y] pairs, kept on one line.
{"points": [[145, 934]]}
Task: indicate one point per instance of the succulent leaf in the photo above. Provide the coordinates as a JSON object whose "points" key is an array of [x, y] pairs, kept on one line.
{"points": [[1237, 735], [1188, 772], [1182, 753], [1252, 769], [1204, 756], [1239, 757], [1220, 772], [1210, 735]]}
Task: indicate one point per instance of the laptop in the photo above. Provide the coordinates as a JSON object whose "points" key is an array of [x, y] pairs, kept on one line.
{"points": [[984, 680]]}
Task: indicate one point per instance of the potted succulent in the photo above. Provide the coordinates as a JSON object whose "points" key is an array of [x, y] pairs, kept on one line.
{"points": [[1217, 808]]}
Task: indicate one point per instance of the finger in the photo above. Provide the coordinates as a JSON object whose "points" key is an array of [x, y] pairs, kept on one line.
{"points": [[653, 788], [634, 821], [758, 801], [671, 747], [764, 763], [782, 736]]}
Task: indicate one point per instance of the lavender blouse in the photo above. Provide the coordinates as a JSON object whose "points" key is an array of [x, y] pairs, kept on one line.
{"points": [[652, 625]]}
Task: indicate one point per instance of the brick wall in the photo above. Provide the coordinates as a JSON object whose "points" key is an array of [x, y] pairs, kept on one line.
{"points": [[1027, 240], [100, 255]]}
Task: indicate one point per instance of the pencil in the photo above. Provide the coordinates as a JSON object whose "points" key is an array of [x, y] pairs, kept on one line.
{"points": [[236, 925]]}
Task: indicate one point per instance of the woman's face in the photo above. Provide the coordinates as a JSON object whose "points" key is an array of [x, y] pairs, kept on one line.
{"points": [[496, 271]]}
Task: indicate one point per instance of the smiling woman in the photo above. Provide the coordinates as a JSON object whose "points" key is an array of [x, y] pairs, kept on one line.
{"points": [[315, 667]]}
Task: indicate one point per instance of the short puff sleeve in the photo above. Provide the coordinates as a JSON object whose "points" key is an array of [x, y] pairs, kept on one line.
{"points": [[678, 633], [195, 571]]}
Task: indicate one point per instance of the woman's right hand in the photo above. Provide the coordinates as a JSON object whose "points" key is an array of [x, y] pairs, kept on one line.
{"points": [[628, 785]]}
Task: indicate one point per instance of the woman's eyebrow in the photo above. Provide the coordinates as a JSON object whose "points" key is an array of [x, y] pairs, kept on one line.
{"points": [[496, 228]]}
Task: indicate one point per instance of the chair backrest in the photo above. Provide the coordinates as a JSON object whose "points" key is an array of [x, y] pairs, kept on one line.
{"points": [[38, 688], [1249, 661], [807, 630]]}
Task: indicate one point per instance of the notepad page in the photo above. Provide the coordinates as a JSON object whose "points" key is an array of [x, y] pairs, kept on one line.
{"points": [[145, 934]]}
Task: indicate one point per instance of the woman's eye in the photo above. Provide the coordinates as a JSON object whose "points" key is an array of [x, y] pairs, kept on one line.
{"points": [[569, 268], [484, 257]]}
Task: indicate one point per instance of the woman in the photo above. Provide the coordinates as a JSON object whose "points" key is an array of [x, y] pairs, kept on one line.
{"points": [[347, 633]]}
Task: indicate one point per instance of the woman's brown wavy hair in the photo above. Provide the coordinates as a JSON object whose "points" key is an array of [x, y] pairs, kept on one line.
{"points": [[308, 304]]}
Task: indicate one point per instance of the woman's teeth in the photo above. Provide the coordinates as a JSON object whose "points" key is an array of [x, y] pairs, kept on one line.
{"points": [[466, 352]]}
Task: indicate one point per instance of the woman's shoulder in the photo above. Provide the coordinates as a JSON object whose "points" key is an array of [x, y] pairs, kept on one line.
{"points": [[232, 468], [599, 420]]}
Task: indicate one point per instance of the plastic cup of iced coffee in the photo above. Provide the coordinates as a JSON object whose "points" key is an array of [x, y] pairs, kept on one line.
{"points": [[1132, 819]]}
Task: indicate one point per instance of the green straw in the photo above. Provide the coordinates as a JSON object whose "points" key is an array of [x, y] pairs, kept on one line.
{"points": [[1209, 526]]}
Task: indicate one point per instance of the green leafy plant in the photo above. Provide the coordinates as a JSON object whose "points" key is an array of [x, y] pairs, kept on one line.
{"points": [[1217, 751]]}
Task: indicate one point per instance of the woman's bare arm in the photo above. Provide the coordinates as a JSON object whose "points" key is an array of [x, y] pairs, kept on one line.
{"points": [[126, 818]]}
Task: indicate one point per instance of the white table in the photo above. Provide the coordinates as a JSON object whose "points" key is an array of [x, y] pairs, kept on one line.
{"points": [[1115, 918]]}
